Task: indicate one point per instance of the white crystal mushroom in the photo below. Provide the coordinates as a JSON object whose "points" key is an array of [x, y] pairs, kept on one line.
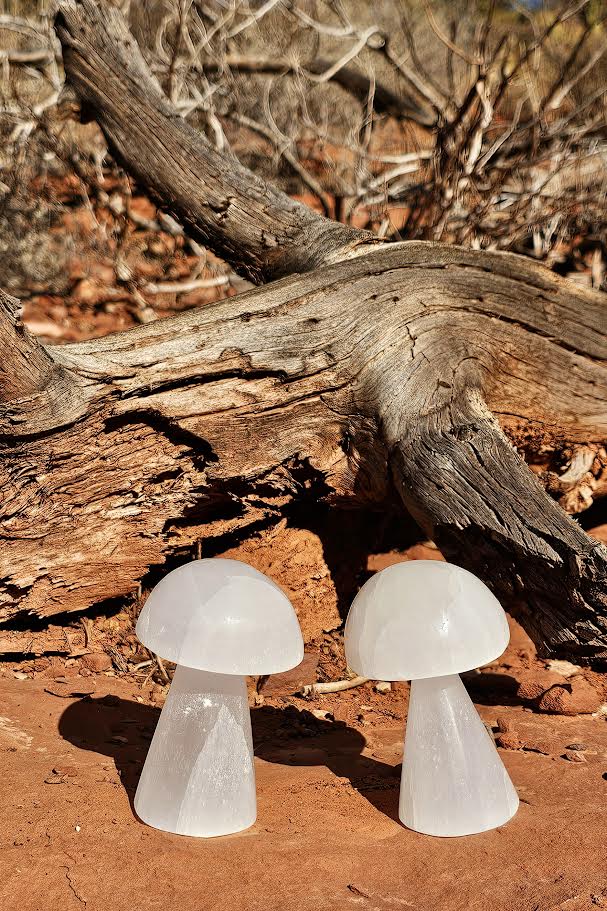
{"points": [[428, 621], [218, 620]]}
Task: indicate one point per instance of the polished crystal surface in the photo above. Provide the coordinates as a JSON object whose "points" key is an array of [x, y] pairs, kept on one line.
{"points": [[198, 778], [223, 616], [426, 621], [423, 618], [218, 620], [453, 780]]}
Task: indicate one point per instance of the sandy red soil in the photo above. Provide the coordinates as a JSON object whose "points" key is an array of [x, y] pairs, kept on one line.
{"points": [[327, 834]]}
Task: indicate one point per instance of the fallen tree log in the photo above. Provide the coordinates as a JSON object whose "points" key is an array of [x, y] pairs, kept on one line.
{"points": [[368, 372]]}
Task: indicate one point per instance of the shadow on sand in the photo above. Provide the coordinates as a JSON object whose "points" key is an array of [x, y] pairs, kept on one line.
{"points": [[122, 729]]}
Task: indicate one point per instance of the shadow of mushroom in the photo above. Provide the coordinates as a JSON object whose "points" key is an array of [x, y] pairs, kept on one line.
{"points": [[487, 687], [122, 730], [119, 728], [295, 737]]}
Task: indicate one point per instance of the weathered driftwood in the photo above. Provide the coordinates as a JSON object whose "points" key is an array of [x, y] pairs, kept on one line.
{"points": [[376, 371]]}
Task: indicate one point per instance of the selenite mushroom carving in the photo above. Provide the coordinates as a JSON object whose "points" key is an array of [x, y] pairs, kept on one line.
{"points": [[218, 620], [428, 621]]}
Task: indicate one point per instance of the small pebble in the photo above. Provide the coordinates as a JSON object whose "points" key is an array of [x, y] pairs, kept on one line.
{"points": [[576, 746], [538, 746], [66, 689], [566, 668], [572, 756], [508, 741], [97, 662], [66, 771], [504, 725], [323, 715], [382, 686]]}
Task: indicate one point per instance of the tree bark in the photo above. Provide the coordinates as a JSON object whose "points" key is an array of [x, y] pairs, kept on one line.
{"points": [[373, 377], [370, 371]]}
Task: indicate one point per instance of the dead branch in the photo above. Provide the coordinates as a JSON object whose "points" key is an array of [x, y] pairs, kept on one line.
{"points": [[261, 232], [332, 686], [376, 376], [289, 156]]}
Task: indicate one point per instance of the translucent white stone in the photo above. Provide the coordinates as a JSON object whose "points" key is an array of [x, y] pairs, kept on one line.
{"points": [[198, 778], [423, 618], [427, 621], [218, 620], [222, 616], [453, 780]]}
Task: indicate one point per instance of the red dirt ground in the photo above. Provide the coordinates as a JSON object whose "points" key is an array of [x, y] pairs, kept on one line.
{"points": [[327, 834]]}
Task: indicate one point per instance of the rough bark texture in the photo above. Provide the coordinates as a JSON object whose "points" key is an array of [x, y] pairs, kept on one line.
{"points": [[381, 373], [33, 387], [27, 370], [372, 369]]}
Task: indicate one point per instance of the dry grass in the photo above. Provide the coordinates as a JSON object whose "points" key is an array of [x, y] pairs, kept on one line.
{"points": [[474, 125]]}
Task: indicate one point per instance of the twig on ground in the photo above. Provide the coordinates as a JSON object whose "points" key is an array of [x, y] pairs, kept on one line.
{"points": [[332, 686], [184, 287], [162, 669], [87, 626]]}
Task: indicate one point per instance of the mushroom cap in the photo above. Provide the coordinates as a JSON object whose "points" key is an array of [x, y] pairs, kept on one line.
{"points": [[221, 616], [422, 619]]}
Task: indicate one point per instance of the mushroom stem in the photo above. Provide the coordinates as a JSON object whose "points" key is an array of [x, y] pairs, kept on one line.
{"points": [[199, 778], [453, 780]]}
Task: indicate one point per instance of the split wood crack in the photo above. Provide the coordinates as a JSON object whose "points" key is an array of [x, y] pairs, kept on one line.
{"points": [[379, 367]]}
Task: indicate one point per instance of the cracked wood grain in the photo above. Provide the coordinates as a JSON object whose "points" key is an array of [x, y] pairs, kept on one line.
{"points": [[354, 378]]}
